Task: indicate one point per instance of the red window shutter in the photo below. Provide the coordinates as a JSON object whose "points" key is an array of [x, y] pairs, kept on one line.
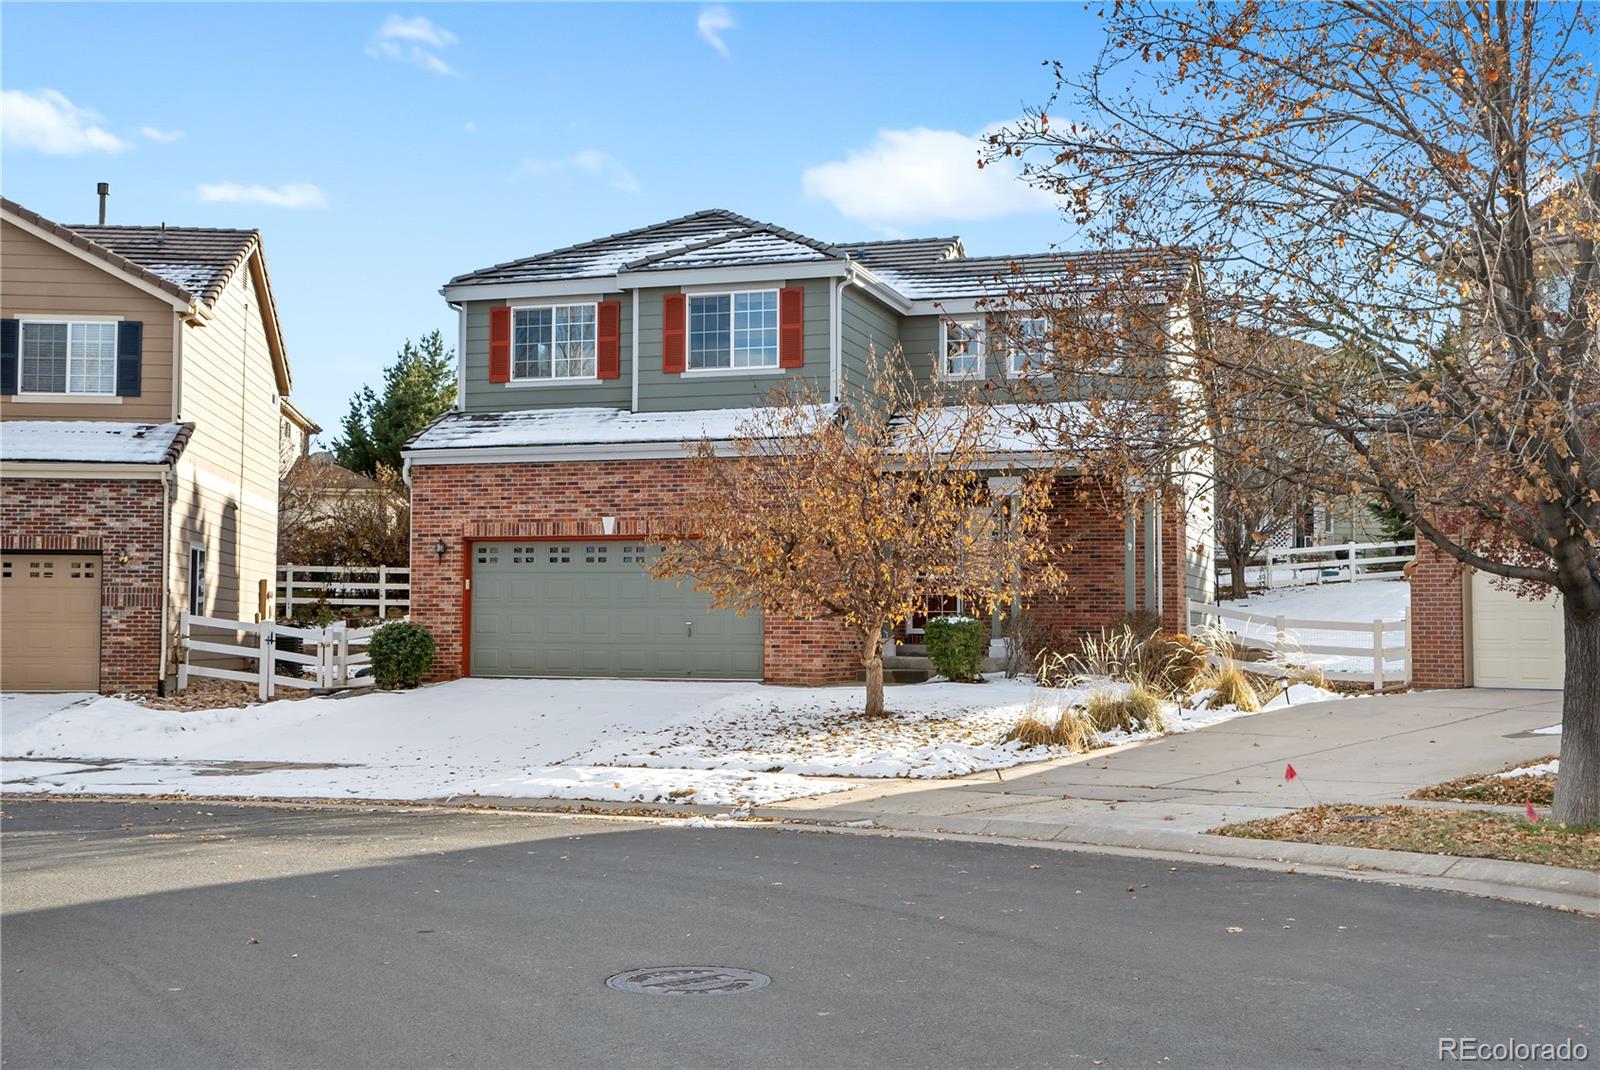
{"points": [[608, 341], [672, 333], [791, 327], [499, 345]]}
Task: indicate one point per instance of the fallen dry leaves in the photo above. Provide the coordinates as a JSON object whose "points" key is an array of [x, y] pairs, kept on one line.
{"points": [[1488, 788]]}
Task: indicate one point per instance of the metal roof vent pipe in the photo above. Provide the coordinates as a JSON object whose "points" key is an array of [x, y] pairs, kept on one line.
{"points": [[104, 190]]}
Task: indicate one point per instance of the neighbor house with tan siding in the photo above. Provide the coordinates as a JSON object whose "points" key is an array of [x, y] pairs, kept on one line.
{"points": [[143, 392]]}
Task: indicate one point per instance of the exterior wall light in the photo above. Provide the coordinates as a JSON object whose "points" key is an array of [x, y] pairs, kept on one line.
{"points": [[441, 548]]}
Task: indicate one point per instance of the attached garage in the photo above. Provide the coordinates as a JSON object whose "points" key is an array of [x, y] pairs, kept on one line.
{"points": [[589, 608], [49, 621], [1516, 642]]}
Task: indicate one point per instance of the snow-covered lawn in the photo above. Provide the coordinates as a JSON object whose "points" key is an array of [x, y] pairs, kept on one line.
{"points": [[1360, 603], [632, 741]]}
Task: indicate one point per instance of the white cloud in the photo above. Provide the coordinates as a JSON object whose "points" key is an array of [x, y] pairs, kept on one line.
{"points": [[46, 121], [292, 195], [912, 177], [594, 162], [165, 137], [414, 41], [713, 22]]}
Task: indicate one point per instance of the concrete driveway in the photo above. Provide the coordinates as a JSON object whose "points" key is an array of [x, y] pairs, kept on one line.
{"points": [[1367, 750]]}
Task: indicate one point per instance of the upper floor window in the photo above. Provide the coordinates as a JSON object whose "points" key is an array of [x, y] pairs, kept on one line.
{"points": [[555, 342], [1030, 347], [733, 330], [68, 358], [963, 348]]}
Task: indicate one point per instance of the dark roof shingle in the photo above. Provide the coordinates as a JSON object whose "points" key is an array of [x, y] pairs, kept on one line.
{"points": [[199, 260]]}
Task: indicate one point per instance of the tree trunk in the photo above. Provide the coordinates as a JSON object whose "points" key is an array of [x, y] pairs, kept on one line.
{"points": [[1577, 800], [1238, 558], [872, 662]]}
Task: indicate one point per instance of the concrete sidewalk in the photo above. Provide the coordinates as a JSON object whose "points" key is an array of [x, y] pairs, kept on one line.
{"points": [[1165, 794]]}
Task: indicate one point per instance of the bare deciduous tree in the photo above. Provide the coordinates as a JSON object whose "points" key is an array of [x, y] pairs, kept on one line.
{"points": [[861, 514], [1413, 191]]}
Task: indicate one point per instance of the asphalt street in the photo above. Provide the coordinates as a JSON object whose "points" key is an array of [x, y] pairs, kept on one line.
{"points": [[193, 934]]}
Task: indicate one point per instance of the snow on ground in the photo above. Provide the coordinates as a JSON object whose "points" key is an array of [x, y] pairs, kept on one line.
{"points": [[1360, 603], [1537, 769], [1549, 730], [631, 741]]}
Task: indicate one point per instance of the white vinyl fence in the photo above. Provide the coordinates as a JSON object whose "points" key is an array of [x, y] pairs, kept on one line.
{"points": [[1301, 566], [371, 592], [1376, 651], [328, 659]]}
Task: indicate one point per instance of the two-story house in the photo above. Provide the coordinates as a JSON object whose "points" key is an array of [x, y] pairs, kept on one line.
{"points": [[143, 381], [586, 376]]}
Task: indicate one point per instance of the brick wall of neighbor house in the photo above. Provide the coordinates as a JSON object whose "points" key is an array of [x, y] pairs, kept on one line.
{"points": [[461, 503], [1438, 619], [110, 516]]}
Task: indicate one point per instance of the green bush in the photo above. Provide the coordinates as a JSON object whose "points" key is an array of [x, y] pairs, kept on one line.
{"points": [[956, 646], [402, 653]]}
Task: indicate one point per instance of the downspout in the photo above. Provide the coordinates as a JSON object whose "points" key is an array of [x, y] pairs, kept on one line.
{"points": [[836, 356], [633, 331], [461, 353], [168, 494]]}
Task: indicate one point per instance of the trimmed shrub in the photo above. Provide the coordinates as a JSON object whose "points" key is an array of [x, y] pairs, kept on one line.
{"points": [[956, 646], [402, 653]]}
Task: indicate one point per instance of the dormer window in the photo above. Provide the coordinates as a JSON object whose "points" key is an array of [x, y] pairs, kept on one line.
{"points": [[964, 345], [68, 358], [554, 342], [733, 330]]}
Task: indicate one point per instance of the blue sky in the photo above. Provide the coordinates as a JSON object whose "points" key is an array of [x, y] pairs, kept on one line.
{"points": [[382, 148]]}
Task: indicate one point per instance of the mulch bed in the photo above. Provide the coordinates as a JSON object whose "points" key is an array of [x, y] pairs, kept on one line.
{"points": [[1488, 788], [209, 694], [1468, 833]]}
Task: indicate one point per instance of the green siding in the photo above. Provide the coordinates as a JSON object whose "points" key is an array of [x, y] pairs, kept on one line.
{"points": [[865, 327], [659, 392], [484, 396]]}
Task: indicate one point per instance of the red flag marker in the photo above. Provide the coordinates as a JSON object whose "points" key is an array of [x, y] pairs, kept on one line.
{"points": [[1289, 773], [1533, 815]]}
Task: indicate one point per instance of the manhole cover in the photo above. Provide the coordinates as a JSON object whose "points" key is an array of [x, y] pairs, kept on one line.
{"points": [[693, 980]]}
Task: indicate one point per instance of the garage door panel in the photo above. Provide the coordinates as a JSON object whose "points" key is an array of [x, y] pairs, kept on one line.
{"points": [[591, 609], [49, 622], [1516, 642]]}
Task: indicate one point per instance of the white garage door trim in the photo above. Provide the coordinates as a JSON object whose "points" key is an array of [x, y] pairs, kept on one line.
{"points": [[1516, 642]]}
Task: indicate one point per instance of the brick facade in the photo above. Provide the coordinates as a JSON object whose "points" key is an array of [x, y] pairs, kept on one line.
{"points": [[462, 503], [1438, 619], [110, 517], [1089, 524]]}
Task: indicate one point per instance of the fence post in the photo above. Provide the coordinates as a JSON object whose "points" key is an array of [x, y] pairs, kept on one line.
{"points": [[288, 593], [1377, 655], [1405, 617], [183, 650], [265, 658], [1270, 584], [1350, 552], [383, 592]]}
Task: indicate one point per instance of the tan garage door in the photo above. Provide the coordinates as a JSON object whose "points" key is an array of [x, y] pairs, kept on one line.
{"points": [[49, 622], [1516, 642]]}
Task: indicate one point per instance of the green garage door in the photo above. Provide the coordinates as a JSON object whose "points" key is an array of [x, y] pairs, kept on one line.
{"points": [[591, 609]]}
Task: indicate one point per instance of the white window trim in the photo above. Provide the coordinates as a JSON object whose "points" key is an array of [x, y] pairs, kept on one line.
{"points": [[1013, 351], [775, 368], [523, 382], [944, 349], [69, 394], [202, 588]]}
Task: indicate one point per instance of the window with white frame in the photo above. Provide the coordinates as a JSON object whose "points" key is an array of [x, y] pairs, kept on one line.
{"points": [[197, 581], [1030, 347], [963, 348], [553, 342], [68, 358], [733, 330]]}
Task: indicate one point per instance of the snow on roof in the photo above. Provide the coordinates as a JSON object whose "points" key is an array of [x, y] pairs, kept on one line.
{"points": [[755, 247], [581, 427], [92, 441], [1014, 428]]}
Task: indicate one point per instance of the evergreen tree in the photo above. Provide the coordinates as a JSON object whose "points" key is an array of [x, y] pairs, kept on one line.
{"points": [[418, 387], [1393, 521]]}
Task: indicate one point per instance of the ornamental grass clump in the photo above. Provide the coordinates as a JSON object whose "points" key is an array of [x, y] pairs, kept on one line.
{"points": [[1071, 730], [1135, 708], [1230, 686]]}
